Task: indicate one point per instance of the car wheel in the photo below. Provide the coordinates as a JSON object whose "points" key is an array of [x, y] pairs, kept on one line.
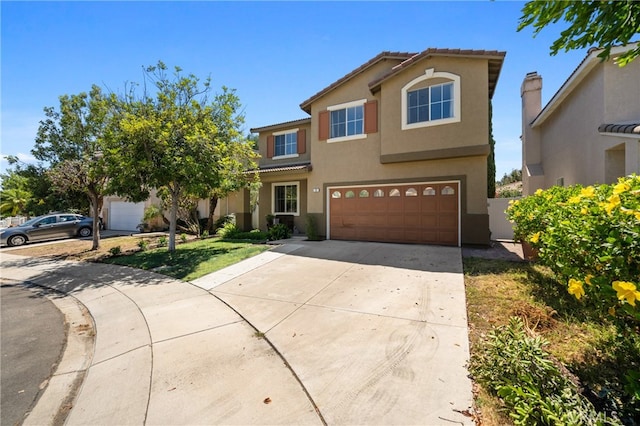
{"points": [[84, 232], [17, 240]]}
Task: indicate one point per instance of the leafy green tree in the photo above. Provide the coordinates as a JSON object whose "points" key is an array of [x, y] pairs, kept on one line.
{"points": [[178, 140], [491, 158], [72, 140], [35, 180], [591, 23], [13, 201]]}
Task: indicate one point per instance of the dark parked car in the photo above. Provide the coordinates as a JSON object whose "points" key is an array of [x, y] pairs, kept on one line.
{"points": [[47, 227]]}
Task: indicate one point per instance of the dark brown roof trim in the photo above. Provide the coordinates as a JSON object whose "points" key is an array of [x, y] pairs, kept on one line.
{"points": [[279, 125], [437, 154], [305, 167], [627, 129], [496, 58], [306, 105]]}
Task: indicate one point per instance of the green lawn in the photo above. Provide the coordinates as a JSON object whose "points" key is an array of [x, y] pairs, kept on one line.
{"points": [[191, 260]]}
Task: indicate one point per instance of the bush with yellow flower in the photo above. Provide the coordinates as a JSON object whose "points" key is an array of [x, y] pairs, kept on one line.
{"points": [[590, 237]]}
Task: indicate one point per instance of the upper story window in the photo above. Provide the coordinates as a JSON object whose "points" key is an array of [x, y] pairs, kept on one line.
{"points": [[431, 103], [430, 100], [286, 144], [348, 121]]}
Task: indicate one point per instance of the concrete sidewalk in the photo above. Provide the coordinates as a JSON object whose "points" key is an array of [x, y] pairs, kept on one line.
{"points": [[165, 352], [307, 333]]}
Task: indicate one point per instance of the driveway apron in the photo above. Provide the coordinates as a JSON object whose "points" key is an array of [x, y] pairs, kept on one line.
{"points": [[377, 333]]}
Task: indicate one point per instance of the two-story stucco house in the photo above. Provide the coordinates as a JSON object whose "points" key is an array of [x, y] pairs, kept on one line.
{"points": [[394, 151], [589, 132]]}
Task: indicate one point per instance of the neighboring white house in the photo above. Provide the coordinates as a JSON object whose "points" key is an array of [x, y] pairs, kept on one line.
{"points": [[589, 132]]}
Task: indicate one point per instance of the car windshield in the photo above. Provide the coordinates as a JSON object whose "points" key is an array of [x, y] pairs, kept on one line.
{"points": [[30, 222]]}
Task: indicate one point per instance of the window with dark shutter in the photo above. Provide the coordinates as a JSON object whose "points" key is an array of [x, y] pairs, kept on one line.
{"points": [[302, 141], [371, 117], [323, 126], [270, 146]]}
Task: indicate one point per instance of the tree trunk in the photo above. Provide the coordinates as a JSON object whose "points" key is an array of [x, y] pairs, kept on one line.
{"points": [[96, 205], [211, 223], [173, 219]]}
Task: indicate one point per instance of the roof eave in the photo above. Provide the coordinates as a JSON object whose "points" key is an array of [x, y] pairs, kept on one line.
{"points": [[283, 125], [590, 61]]}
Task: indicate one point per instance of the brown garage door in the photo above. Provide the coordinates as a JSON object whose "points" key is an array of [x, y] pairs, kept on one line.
{"points": [[413, 213]]}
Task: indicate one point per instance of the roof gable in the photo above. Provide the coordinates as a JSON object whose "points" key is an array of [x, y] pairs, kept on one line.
{"points": [[496, 58], [575, 78], [306, 105]]}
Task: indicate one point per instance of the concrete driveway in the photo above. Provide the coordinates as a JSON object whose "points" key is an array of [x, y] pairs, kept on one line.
{"points": [[354, 333], [377, 333]]}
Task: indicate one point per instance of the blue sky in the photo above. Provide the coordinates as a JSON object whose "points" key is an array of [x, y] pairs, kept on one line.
{"points": [[275, 54]]}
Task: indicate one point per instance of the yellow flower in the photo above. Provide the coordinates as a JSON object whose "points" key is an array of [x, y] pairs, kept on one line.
{"points": [[575, 288], [587, 279], [621, 187], [574, 200], [548, 197], [584, 210], [614, 201], [535, 237], [538, 191], [588, 192], [626, 291]]}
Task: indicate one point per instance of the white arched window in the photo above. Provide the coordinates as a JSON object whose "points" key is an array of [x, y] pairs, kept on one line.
{"points": [[430, 100]]}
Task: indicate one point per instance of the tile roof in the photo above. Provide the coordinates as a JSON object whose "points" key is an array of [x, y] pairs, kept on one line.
{"points": [[288, 168], [306, 105], [627, 129], [283, 124], [495, 63]]}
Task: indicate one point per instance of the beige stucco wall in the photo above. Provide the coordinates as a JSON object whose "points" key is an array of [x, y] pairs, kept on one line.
{"points": [[473, 128], [359, 160], [569, 136], [622, 95], [265, 199], [301, 158], [571, 146]]}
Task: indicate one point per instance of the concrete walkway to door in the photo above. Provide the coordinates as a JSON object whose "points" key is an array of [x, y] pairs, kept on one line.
{"points": [[377, 333]]}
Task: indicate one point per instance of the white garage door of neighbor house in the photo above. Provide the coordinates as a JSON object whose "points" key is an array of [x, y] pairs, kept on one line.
{"points": [[125, 216]]}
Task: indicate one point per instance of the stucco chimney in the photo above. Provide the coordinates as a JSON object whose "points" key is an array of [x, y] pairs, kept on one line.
{"points": [[531, 94]]}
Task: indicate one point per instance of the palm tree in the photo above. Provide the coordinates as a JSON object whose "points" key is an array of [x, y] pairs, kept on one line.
{"points": [[13, 201]]}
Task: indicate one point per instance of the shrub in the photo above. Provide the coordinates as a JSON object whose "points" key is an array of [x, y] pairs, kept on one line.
{"points": [[143, 244], [115, 251], [311, 228], [254, 235], [183, 237], [222, 221], [228, 230], [162, 241], [204, 235], [515, 367], [279, 232], [590, 238]]}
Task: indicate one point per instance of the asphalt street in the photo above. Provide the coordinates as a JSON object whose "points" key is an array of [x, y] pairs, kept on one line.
{"points": [[33, 337]]}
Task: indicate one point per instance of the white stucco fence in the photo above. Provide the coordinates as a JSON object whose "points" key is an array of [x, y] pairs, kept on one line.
{"points": [[501, 228]]}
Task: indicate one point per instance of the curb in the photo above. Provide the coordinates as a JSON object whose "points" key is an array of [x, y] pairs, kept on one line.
{"points": [[56, 402]]}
